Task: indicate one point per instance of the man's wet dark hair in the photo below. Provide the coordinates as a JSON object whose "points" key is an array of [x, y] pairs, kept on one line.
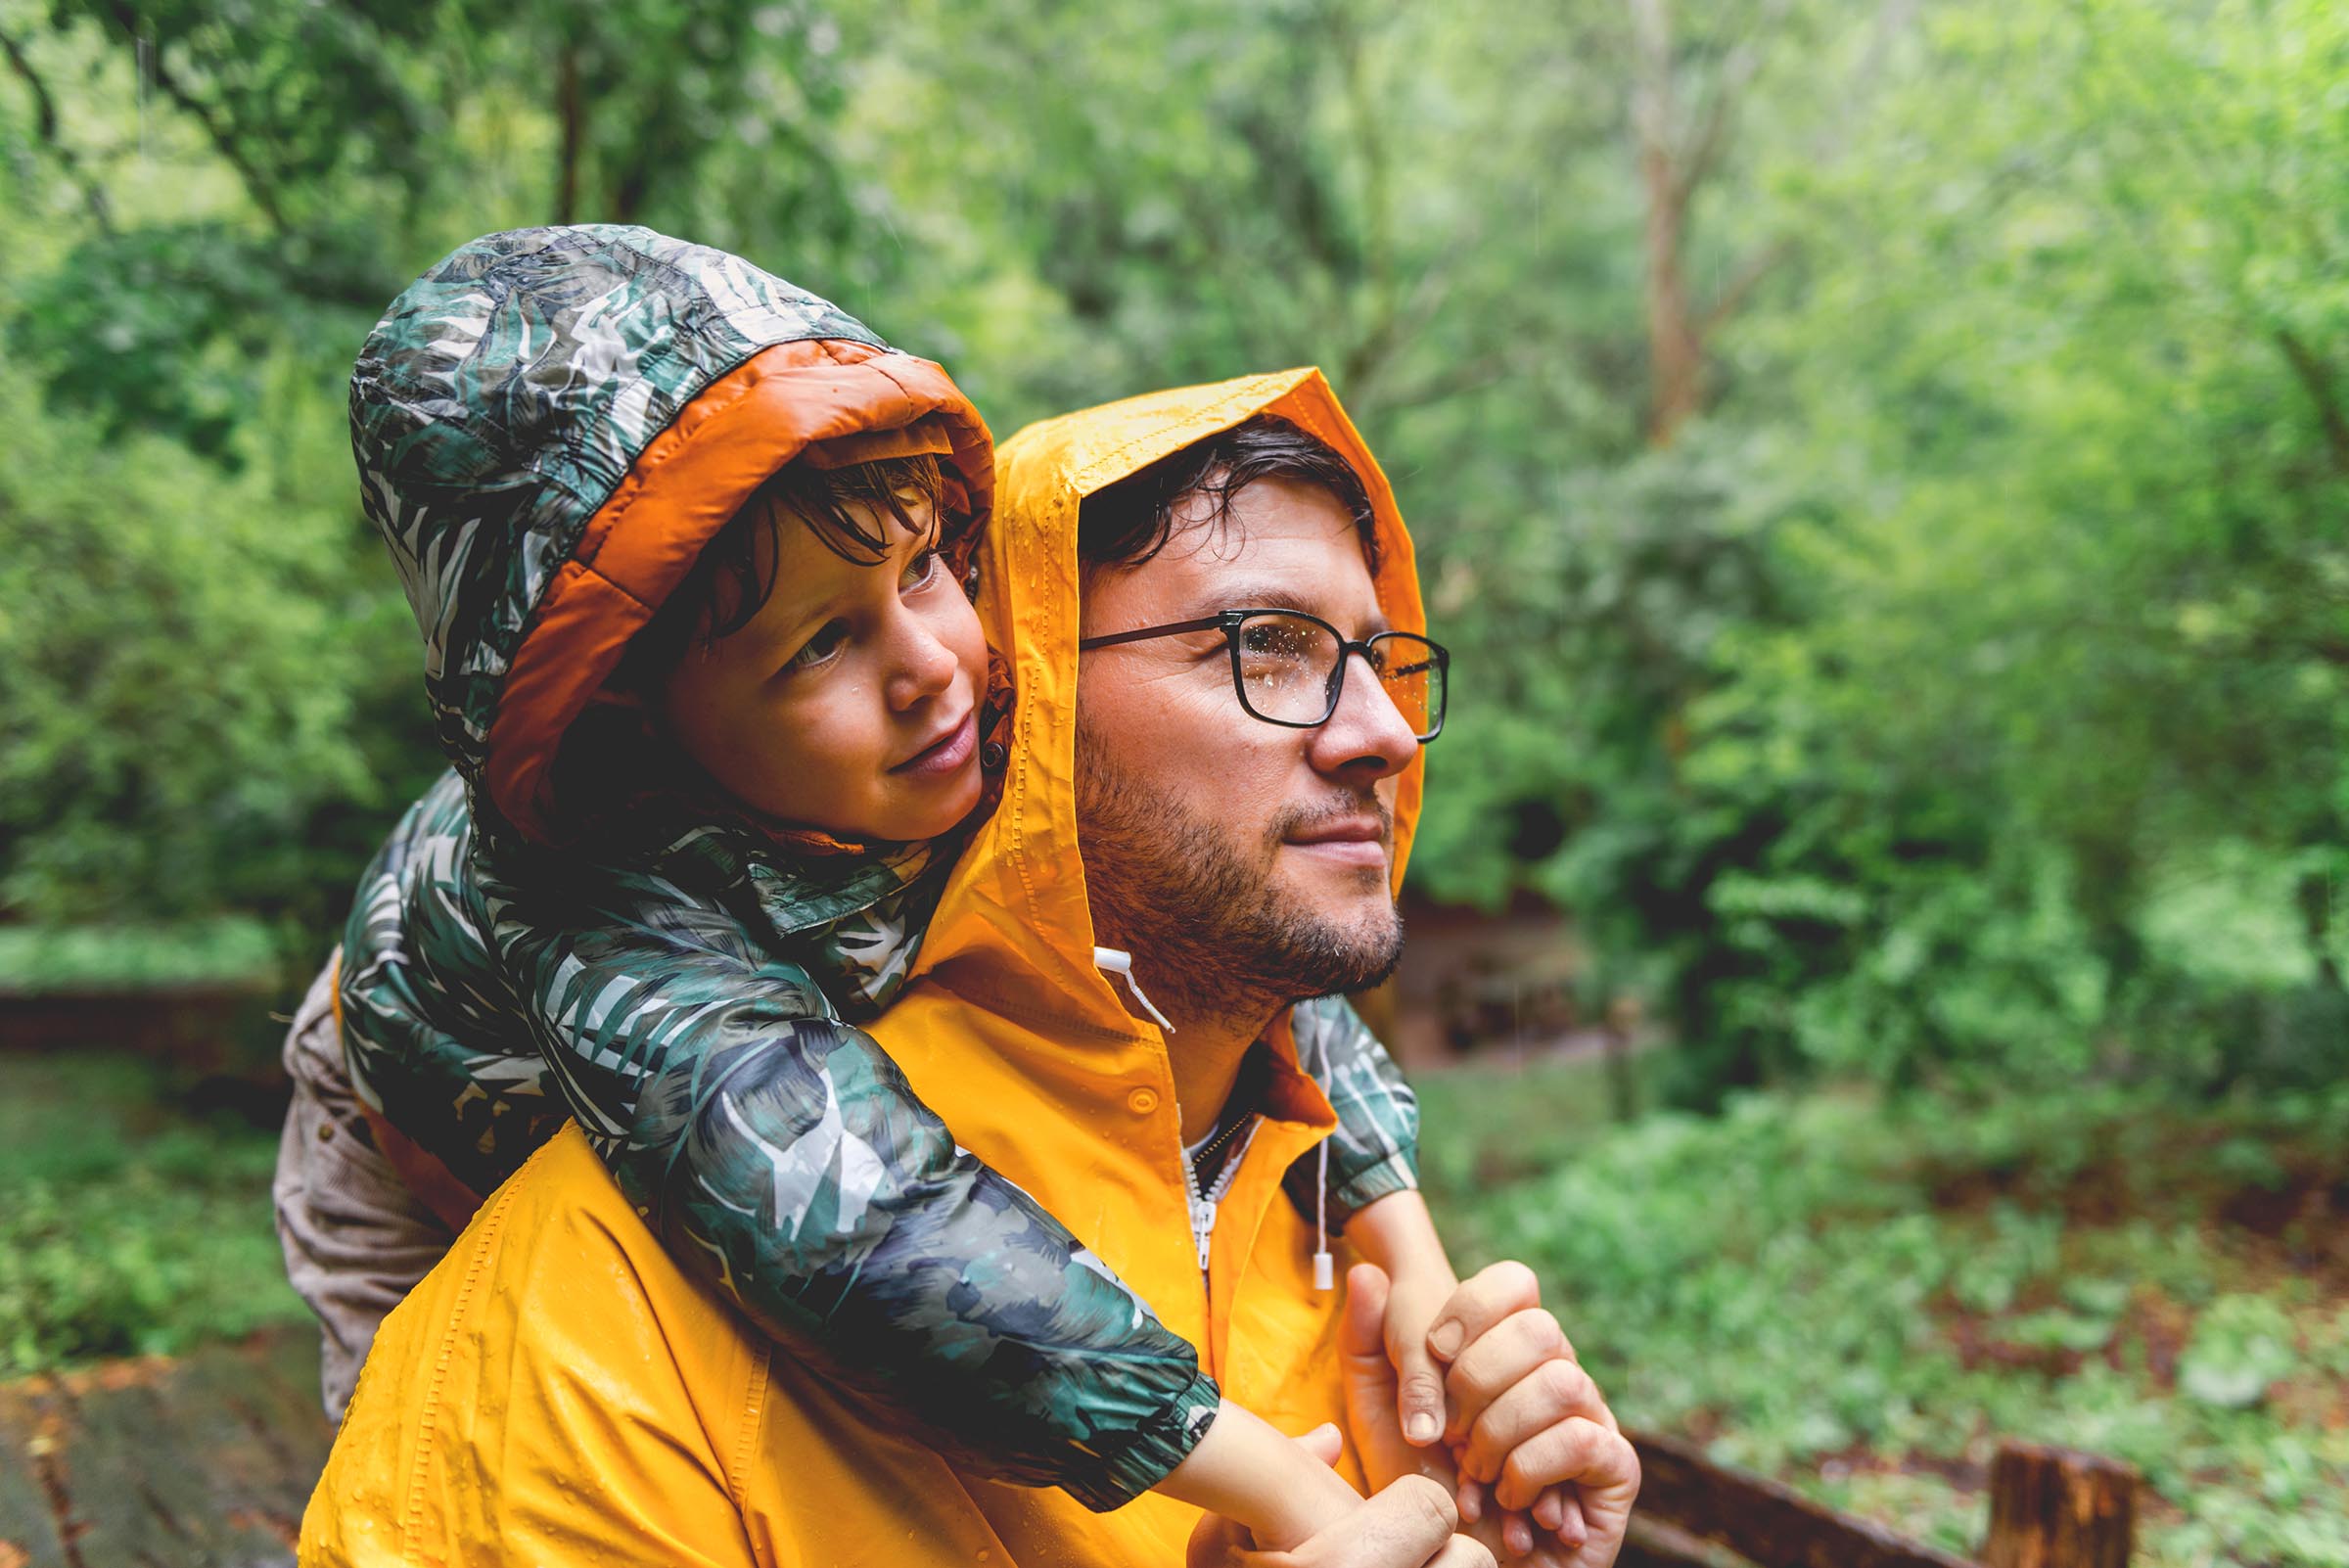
{"points": [[1129, 522]]}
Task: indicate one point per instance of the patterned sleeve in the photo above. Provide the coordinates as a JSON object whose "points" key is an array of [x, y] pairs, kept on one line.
{"points": [[1375, 1149], [782, 1157]]}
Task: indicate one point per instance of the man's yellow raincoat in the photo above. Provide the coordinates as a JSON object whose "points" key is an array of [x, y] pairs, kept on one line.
{"points": [[557, 1392]]}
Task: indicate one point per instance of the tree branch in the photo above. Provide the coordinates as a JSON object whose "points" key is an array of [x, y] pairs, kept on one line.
{"points": [[2316, 378], [1757, 265], [223, 142], [44, 119]]}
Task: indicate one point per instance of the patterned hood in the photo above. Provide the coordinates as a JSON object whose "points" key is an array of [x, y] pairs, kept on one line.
{"points": [[551, 424]]}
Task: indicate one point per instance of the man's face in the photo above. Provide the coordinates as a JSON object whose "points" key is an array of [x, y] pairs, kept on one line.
{"points": [[1240, 860]]}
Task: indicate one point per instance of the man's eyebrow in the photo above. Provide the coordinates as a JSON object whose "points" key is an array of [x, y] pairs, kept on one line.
{"points": [[1280, 596]]}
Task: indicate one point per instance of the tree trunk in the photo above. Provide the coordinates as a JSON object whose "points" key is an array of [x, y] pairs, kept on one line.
{"points": [[1674, 345], [2058, 1508]]}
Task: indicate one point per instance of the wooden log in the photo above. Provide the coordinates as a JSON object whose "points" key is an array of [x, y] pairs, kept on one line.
{"points": [[1650, 1542], [30, 1534], [2056, 1508], [201, 1464], [1774, 1525]]}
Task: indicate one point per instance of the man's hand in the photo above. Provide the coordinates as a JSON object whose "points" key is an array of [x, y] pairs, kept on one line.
{"points": [[1528, 1419], [1408, 1524]]}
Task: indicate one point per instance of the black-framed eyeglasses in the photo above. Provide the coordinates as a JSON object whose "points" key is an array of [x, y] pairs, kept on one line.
{"points": [[1289, 667]]}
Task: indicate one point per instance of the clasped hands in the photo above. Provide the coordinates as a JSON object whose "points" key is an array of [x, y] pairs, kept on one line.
{"points": [[1473, 1394]]}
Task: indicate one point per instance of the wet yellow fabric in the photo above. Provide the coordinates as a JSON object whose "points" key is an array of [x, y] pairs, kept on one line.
{"points": [[558, 1391]]}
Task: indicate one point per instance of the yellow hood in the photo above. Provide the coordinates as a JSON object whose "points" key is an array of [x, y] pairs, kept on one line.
{"points": [[1015, 919], [558, 1391]]}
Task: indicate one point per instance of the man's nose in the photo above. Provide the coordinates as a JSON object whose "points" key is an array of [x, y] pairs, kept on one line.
{"points": [[1368, 737], [920, 663]]}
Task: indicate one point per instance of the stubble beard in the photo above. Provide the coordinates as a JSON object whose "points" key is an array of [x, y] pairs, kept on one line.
{"points": [[1200, 914]]}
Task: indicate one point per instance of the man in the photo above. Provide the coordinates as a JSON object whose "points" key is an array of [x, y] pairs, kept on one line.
{"points": [[1181, 814]]}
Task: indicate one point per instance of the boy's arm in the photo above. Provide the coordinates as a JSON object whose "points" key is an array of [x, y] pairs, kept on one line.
{"points": [[1375, 1151], [782, 1158], [1371, 1191]]}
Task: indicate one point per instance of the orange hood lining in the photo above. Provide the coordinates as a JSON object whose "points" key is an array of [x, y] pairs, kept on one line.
{"points": [[848, 401]]}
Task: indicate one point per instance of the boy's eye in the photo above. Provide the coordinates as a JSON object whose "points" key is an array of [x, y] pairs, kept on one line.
{"points": [[820, 647], [919, 572]]}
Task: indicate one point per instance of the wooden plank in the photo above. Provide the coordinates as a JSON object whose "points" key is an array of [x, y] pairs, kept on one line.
{"points": [[1650, 1542], [253, 1414], [136, 1484], [29, 1535], [203, 1463], [1774, 1525], [2053, 1507]]}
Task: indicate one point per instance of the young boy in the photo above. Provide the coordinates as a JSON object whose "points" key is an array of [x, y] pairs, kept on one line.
{"points": [[687, 546]]}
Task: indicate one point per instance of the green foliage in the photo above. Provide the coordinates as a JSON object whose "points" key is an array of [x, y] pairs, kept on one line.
{"points": [[1958, 693], [209, 697], [39, 958], [1862, 1295], [125, 1228]]}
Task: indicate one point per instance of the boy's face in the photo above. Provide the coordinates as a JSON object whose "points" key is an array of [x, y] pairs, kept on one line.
{"points": [[850, 702]]}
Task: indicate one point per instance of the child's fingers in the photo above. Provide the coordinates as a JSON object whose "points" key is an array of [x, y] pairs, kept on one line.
{"points": [[1471, 1498], [1324, 1443], [1572, 1528], [1482, 1300], [1550, 1508], [1517, 1534], [1418, 1384]]}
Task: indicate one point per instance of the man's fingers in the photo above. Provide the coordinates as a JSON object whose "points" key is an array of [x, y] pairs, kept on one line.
{"points": [[1216, 1542], [1483, 1300], [1463, 1551], [1499, 1358], [1601, 1463], [1401, 1526], [1546, 1396]]}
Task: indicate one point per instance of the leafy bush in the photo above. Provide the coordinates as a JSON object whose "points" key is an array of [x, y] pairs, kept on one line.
{"points": [[126, 1227], [1862, 1295]]}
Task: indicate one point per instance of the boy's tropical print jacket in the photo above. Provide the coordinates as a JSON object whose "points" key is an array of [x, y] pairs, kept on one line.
{"points": [[549, 426]]}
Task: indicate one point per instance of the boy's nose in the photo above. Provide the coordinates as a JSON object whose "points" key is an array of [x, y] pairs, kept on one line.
{"points": [[923, 667]]}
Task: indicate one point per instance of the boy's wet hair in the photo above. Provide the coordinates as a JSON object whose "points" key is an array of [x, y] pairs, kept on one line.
{"points": [[616, 757], [1128, 523], [734, 578]]}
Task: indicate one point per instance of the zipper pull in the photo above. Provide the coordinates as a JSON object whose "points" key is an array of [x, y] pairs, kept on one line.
{"points": [[1203, 1228]]}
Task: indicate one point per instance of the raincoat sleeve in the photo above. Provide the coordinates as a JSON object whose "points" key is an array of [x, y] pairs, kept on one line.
{"points": [[784, 1160], [1375, 1149]]}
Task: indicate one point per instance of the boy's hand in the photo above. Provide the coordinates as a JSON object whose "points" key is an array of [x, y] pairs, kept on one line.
{"points": [[1397, 1235], [1408, 1524], [1413, 1301], [1528, 1419]]}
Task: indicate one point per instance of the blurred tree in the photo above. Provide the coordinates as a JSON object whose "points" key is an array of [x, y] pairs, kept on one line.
{"points": [[1881, 468]]}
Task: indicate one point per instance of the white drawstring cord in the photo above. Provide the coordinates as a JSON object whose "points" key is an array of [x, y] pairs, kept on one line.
{"points": [[1121, 963], [1325, 1271]]}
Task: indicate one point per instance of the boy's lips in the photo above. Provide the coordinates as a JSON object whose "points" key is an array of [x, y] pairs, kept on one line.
{"points": [[946, 752]]}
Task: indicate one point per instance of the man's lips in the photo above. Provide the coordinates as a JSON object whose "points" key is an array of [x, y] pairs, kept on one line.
{"points": [[946, 752], [1359, 840]]}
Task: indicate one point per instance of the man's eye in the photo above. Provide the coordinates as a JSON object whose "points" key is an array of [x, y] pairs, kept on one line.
{"points": [[820, 647], [920, 571]]}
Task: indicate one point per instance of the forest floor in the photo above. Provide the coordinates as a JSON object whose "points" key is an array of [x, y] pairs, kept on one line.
{"points": [[1858, 1295]]}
